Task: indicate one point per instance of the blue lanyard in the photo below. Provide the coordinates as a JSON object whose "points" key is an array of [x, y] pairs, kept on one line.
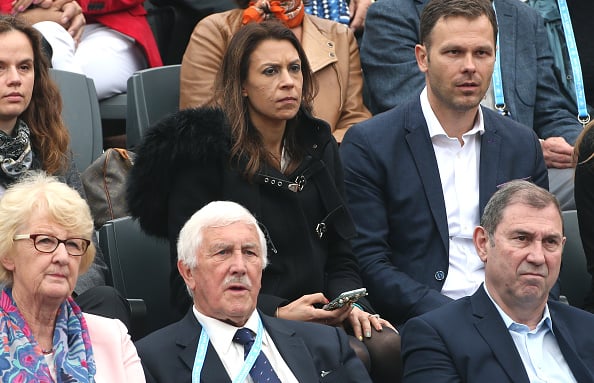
{"points": [[497, 82], [574, 58], [247, 364]]}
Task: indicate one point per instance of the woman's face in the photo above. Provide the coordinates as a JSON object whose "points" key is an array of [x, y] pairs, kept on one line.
{"points": [[274, 83], [17, 77], [49, 277]]}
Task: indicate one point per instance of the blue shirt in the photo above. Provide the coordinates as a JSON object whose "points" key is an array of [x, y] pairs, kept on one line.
{"points": [[538, 348]]}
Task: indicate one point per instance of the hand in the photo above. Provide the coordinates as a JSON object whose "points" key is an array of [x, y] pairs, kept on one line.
{"points": [[72, 17], [303, 309], [557, 153], [358, 11], [362, 321]]}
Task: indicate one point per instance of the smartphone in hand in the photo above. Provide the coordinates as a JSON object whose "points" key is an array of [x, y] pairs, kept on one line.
{"points": [[346, 298]]}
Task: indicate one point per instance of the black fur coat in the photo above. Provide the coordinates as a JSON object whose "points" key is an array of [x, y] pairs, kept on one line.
{"points": [[184, 162]]}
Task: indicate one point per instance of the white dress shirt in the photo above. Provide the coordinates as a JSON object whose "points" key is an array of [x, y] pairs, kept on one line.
{"points": [[231, 354], [459, 173], [538, 348]]}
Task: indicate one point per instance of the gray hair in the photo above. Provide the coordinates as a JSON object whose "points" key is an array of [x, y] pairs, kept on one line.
{"points": [[517, 191], [214, 214]]}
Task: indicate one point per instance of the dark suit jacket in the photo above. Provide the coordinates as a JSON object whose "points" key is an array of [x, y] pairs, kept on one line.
{"points": [[467, 341], [308, 349], [396, 200]]}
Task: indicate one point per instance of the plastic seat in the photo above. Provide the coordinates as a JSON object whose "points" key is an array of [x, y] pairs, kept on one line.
{"points": [[152, 94], [81, 115], [575, 279], [139, 266], [114, 107]]}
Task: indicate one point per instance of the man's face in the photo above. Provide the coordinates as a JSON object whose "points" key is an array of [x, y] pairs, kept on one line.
{"points": [[458, 63], [523, 262], [226, 279]]}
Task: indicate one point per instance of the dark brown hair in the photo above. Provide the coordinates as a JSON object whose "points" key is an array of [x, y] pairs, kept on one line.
{"points": [[49, 137], [587, 154], [247, 141], [470, 9]]}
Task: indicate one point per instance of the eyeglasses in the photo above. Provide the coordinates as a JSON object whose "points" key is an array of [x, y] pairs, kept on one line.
{"points": [[48, 243]]}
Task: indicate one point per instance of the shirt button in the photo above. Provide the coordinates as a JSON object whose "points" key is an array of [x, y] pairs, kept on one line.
{"points": [[439, 275]]}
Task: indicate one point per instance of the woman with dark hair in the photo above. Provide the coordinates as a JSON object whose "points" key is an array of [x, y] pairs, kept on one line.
{"points": [[584, 200], [259, 146], [34, 137], [330, 47]]}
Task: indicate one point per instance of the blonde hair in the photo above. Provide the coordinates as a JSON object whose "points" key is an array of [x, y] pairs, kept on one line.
{"points": [[36, 192]]}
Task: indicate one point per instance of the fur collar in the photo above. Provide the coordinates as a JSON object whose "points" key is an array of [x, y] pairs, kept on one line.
{"points": [[190, 136]]}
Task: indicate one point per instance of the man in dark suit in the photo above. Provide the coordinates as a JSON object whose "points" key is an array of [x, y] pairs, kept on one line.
{"points": [[222, 252], [533, 88], [506, 331], [418, 176]]}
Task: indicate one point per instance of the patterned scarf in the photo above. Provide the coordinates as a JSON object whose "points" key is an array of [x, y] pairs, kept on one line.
{"points": [[21, 358], [15, 152], [335, 10], [290, 12]]}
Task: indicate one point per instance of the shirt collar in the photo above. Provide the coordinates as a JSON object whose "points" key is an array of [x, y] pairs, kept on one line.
{"points": [[435, 128], [519, 327], [221, 334]]}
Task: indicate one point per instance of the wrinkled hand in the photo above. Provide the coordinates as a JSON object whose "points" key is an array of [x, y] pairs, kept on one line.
{"points": [[362, 321], [358, 11], [303, 309], [557, 153]]}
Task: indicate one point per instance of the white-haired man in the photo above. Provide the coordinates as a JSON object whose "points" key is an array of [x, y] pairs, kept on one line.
{"points": [[223, 338]]}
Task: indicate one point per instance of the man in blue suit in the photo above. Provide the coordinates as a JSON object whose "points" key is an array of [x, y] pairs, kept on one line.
{"points": [[418, 176], [507, 332], [222, 252], [533, 93]]}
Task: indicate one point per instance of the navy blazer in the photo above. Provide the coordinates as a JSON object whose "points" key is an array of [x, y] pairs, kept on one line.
{"points": [[396, 200], [531, 85], [168, 354], [467, 341]]}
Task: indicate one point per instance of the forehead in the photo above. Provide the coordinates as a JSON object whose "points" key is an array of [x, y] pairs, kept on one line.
{"points": [[15, 45], [235, 233], [463, 31], [273, 50], [520, 216]]}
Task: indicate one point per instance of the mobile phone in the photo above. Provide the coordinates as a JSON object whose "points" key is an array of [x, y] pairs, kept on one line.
{"points": [[346, 298]]}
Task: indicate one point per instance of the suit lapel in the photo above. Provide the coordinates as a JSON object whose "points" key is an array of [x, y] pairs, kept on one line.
{"points": [[422, 152], [489, 161], [213, 370], [292, 349], [568, 348], [491, 327]]}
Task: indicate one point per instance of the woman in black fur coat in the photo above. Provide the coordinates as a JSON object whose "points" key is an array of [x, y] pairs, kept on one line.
{"points": [[260, 147]]}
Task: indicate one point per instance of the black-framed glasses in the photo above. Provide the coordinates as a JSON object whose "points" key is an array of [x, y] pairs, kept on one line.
{"points": [[46, 243]]}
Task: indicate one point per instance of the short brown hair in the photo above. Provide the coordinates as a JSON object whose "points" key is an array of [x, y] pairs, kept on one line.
{"points": [[470, 9]]}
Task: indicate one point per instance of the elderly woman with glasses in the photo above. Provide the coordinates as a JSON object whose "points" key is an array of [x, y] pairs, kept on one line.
{"points": [[45, 243]]}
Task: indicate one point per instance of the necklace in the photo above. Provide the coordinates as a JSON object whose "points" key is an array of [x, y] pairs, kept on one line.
{"points": [[276, 159]]}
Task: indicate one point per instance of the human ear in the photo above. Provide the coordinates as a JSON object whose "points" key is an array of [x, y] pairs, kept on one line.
{"points": [[422, 56], [480, 237]]}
